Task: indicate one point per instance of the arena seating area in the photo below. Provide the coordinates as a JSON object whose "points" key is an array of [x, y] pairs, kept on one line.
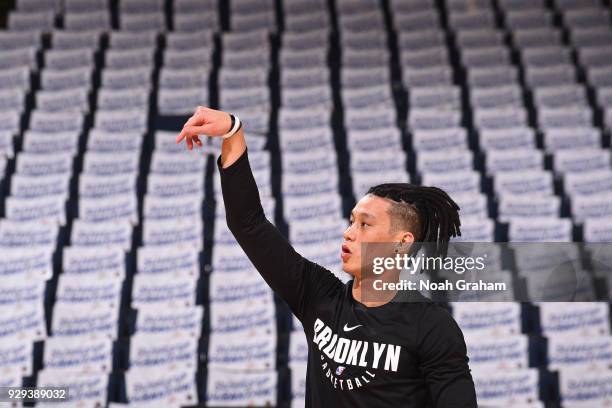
{"points": [[119, 276]]}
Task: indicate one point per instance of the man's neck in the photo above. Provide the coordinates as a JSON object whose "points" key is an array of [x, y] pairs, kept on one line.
{"points": [[364, 293]]}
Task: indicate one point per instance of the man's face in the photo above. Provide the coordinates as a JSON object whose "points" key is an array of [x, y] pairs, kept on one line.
{"points": [[369, 222]]}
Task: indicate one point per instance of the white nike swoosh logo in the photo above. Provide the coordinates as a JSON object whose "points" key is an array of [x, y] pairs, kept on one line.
{"points": [[347, 329]]}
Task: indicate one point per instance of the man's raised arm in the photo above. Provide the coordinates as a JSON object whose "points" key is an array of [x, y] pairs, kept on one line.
{"points": [[292, 277]]}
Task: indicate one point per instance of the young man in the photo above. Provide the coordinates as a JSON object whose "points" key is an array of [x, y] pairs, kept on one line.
{"points": [[362, 353]]}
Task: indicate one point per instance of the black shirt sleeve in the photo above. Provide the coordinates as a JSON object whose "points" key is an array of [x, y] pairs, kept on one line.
{"points": [[298, 281], [443, 360]]}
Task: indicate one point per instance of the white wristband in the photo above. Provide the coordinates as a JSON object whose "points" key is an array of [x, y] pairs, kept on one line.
{"points": [[234, 129]]}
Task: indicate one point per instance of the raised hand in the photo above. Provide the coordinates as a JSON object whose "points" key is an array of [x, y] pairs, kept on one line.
{"points": [[205, 121]]}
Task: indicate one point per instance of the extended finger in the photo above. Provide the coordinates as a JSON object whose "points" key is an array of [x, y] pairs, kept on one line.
{"points": [[181, 136], [183, 132], [196, 119], [192, 131]]}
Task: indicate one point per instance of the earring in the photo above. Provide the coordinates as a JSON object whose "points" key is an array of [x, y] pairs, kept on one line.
{"points": [[399, 245]]}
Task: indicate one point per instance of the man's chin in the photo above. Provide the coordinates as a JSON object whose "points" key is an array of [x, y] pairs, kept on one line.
{"points": [[349, 270]]}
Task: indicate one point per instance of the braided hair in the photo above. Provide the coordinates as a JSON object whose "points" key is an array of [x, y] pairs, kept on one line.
{"points": [[428, 212]]}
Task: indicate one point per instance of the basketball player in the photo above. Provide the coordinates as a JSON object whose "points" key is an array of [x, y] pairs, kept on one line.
{"points": [[362, 351]]}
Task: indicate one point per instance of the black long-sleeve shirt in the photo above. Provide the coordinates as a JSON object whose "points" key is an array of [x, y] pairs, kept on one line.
{"points": [[401, 354]]}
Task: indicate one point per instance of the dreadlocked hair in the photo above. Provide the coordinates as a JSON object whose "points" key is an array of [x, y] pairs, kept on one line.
{"points": [[428, 212]]}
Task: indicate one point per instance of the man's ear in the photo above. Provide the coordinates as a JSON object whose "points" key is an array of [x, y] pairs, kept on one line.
{"points": [[407, 238]]}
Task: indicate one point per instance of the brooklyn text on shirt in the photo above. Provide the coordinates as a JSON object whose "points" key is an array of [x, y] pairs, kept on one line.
{"points": [[350, 363]]}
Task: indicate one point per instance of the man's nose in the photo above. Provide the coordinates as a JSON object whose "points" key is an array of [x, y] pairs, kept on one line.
{"points": [[348, 233]]}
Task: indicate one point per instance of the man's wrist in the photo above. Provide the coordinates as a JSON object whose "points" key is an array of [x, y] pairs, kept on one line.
{"points": [[236, 125]]}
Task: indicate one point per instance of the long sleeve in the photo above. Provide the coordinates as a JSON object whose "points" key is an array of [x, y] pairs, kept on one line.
{"points": [[295, 279], [444, 362]]}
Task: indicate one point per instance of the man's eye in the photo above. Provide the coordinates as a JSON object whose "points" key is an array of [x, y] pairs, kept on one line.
{"points": [[363, 224]]}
